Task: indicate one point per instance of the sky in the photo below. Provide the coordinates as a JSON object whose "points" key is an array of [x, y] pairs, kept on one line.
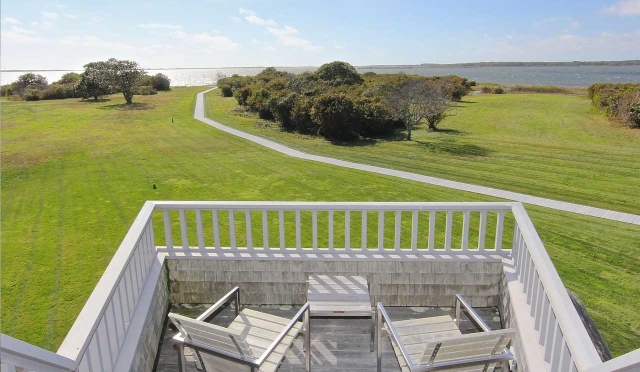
{"points": [[225, 33]]}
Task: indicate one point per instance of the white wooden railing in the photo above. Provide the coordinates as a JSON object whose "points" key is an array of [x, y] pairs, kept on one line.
{"points": [[266, 227], [103, 331]]}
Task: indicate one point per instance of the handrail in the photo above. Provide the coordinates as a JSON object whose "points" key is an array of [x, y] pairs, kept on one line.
{"points": [[304, 311], [471, 312], [383, 317], [235, 291], [583, 352], [335, 206], [79, 336], [22, 354]]}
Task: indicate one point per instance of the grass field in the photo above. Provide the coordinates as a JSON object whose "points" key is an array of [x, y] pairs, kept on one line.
{"points": [[553, 146], [75, 174]]}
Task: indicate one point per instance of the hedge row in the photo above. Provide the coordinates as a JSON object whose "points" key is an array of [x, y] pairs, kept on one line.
{"points": [[619, 101]]}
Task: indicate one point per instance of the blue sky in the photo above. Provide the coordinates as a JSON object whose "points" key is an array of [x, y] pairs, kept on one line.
{"points": [[219, 33]]}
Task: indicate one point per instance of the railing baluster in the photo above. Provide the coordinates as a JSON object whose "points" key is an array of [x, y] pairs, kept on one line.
{"points": [[314, 223], [546, 304], [298, 234], [552, 327], [432, 230], [216, 228], [232, 229], [380, 230], [414, 231], [465, 230], [199, 229], [183, 229], [499, 228], [347, 230], [483, 230], [281, 227], [398, 224], [364, 230], [539, 305], [265, 230], [248, 230], [447, 234], [167, 229], [330, 223]]}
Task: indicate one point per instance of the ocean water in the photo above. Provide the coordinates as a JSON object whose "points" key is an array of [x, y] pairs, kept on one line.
{"points": [[570, 76]]}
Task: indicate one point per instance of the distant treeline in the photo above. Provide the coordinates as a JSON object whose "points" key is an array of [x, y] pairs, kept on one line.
{"points": [[535, 64], [619, 101], [98, 79]]}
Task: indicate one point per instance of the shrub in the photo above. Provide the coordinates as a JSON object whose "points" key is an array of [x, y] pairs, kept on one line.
{"points": [[31, 94], [498, 90], [258, 101], [338, 73], [336, 117], [160, 82], [486, 89], [620, 101], [226, 91], [59, 91], [242, 94], [146, 90], [301, 116], [374, 116], [69, 78], [552, 89], [5, 90], [281, 110]]}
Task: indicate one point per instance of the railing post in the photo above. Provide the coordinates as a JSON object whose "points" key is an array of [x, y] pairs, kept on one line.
{"points": [[307, 340], [457, 312], [379, 338]]}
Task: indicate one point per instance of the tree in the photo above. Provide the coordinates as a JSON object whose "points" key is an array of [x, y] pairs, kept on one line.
{"points": [[96, 80], [28, 81], [160, 82], [335, 115], [126, 76], [338, 73], [415, 99], [69, 78]]}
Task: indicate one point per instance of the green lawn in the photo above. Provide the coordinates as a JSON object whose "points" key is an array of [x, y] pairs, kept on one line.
{"points": [[75, 174], [547, 145]]}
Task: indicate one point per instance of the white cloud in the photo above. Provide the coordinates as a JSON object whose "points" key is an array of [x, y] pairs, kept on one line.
{"points": [[43, 24], [158, 25], [11, 21], [337, 45], [288, 36], [246, 11], [259, 21], [69, 16], [625, 8], [212, 42], [21, 30], [95, 19], [50, 15], [93, 41], [19, 37]]}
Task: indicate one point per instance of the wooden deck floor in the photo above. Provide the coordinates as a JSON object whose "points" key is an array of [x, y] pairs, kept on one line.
{"points": [[337, 344]]}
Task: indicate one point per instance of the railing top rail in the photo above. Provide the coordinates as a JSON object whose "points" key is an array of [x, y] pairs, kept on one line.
{"points": [[582, 349], [325, 206], [36, 356], [89, 318]]}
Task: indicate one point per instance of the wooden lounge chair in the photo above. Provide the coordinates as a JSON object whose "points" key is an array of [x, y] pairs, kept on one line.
{"points": [[436, 343], [253, 342]]}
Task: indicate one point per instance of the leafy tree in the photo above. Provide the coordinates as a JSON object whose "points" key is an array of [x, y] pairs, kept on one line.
{"points": [[28, 81], [335, 116], [96, 80], [126, 76], [69, 78], [160, 82], [416, 99], [338, 73]]}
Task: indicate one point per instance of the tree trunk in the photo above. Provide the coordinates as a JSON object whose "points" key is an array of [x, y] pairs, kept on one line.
{"points": [[95, 98], [432, 126], [408, 134], [128, 97]]}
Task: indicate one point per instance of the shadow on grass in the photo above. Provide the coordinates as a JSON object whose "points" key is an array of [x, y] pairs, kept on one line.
{"points": [[467, 101], [99, 100], [127, 106], [452, 147], [397, 135]]}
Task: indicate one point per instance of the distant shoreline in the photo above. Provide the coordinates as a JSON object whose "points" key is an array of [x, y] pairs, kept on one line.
{"points": [[431, 65]]}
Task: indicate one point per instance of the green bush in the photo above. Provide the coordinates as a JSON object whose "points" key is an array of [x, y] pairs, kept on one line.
{"points": [[486, 89], [160, 82], [31, 94], [5, 90], [281, 108], [58, 91], [498, 90], [226, 91], [374, 116], [146, 90], [69, 78], [258, 102], [338, 73], [241, 94], [619, 101], [301, 116], [335, 116]]}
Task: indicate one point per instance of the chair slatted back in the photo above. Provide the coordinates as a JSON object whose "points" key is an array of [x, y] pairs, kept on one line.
{"points": [[472, 345], [211, 335]]}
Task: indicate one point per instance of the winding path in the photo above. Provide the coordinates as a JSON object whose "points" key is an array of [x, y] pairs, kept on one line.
{"points": [[543, 202]]}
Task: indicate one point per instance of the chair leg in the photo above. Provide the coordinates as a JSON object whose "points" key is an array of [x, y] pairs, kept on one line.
{"points": [[182, 362], [373, 331], [378, 321], [307, 341]]}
